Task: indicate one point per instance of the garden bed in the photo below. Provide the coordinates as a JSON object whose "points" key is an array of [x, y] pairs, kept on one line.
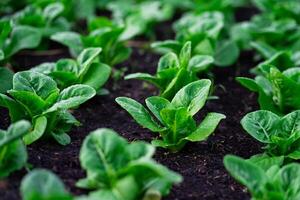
{"points": [[201, 164]]}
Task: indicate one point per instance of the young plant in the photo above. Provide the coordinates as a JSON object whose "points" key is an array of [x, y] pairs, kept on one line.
{"points": [[46, 21], [273, 183], [16, 38], [86, 69], [13, 154], [204, 33], [120, 170], [280, 135], [139, 17], [267, 35], [102, 33], [278, 91], [35, 97], [42, 184], [176, 71], [174, 120]]}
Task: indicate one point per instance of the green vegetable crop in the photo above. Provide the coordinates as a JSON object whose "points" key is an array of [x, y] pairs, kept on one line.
{"points": [[174, 72], [117, 170], [13, 154], [273, 183], [85, 70], [36, 97], [280, 135], [174, 120], [277, 91]]}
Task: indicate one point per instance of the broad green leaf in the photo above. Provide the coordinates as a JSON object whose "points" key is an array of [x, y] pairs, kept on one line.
{"points": [[260, 125], [72, 97], [97, 75], [193, 96], [102, 154], [200, 63], [167, 46], [6, 80], [16, 112], [264, 49], [226, 54], [246, 173], [39, 128], [265, 162], [143, 76], [61, 137], [43, 185], [15, 132], [169, 60], [53, 10], [248, 83], [22, 37], [290, 123], [156, 104], [34, 82], [206, 128], [71, 40], [185, 54], [139, 113], [86, 58]]}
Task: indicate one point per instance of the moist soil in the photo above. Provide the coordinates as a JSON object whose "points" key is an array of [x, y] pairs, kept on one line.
{"points": [[201, 164]]}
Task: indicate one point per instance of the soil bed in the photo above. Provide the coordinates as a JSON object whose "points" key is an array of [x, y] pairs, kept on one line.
{"points": [[201, 164]]}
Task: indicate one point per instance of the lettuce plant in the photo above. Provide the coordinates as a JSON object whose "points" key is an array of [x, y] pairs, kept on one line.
{"points": [[120, 170], [280, 135], [176, 71], [204, 32], [13, 154], [174, 120], [139, 17], [35, 97], [86, 69], [267, 35], [280, 183], [6, 77], [277, 91], [16, 38], [46, 21], [103, 33], [43, 185]]}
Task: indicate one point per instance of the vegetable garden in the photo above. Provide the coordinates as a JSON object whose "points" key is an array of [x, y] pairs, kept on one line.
{"points": [[149, 100]]}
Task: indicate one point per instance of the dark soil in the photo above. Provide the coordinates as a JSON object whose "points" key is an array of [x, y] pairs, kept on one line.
{"points": [[201, 164]]}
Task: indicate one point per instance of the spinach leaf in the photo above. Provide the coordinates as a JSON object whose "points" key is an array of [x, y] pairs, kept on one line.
{"points": [[174, 120], [13, 154], [119, 170]]}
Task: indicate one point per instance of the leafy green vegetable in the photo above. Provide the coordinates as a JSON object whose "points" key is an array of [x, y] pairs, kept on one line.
{"points": [[16, 38], [281, 135], [6, 77], [13, 154], [102, 33], [118, 170], [43, 185], [278, 91], [267, 34], [174, 120], [273, 183], [176, 71], [35, 97], [47, 21], [86, 69], [203, 31]]}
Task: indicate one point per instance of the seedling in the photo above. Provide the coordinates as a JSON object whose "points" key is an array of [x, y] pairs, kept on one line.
{"points": [[117, 169], [35, 97], [174, 120]]}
